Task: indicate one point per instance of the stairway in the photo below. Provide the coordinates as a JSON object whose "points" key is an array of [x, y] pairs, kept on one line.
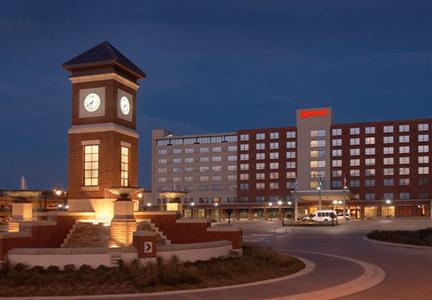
{"points": [[115, 259], [87, 235], [147, 225]]}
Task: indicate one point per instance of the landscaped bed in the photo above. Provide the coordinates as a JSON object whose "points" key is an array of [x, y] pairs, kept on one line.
{"points": [[256, 264], [422, 237]]}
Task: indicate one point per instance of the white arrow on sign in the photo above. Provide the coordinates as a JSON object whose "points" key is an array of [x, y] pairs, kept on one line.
{"points": [[148, 247]]}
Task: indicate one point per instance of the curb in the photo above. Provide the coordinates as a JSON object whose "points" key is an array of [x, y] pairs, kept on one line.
{"points": [[397, 244], [372, 276], [309, 267]]}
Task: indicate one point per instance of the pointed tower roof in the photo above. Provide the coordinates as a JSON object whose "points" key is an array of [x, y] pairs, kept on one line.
{"points": [[101, 55]]}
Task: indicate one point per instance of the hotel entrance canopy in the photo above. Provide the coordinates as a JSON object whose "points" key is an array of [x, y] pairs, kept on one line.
{"points": [[324, 195]]}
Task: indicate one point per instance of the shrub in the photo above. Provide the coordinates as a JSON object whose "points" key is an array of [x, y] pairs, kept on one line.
{"points": [[85, 268], [53, 269], [20, 267]]}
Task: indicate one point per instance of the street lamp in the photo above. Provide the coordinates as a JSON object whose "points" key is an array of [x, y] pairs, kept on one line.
{"points": [[388, 202], [319, 195]]}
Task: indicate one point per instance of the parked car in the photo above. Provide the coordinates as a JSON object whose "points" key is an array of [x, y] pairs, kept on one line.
{"points": [[324, 216], [340, 216]]}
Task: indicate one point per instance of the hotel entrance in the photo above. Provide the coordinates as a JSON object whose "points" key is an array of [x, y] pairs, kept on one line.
{"points": [[388, 211]]}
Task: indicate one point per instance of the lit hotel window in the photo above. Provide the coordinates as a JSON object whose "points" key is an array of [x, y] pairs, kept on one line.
{"points": [[370, 151], [369, 140], [354, 162], [423, 170], [404, 171], [337, 152], [423, 148], [260, 146], [274, 135], [124, 166], [317, 163], [404, 149], [423, 138], [369, 130], [244, 147], [388, 171], [292, 134], [317, 153], [388, 129], [260, 136], [274, 145], [91, 165], [355, 141], [404, 139], [337, 173], [388, 139], [388, 160], [423, 159], [355, 151], [336, 131], [291, 164], [318, 143], [317, 133], [337, 142], [355, 173], [404, 160], [355, 130], [404, 128], [260, 186], [388, 150], [423, 127], [260, 156], [337, 163], [244, 137], [260, 176], [290, 144]]}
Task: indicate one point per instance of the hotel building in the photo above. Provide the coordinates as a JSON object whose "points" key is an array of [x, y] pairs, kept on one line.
{"points": [[371, 168]]}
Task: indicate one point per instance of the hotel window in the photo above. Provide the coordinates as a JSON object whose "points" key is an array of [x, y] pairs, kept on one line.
{"points": [[274, 175], [244, 186], [260, 198], [423, 138], [244, 156], [232, 167], [290, 155], [388, 196], [388, 129], [177, 161], [291, 134], [354, 162], [423, 148], [317, 153], [317, 174], [370, 196], [177, 151], [317, 163], [217, 149], [404, 196], [204, 150], [189, 150], [176, 179], [260, 176], [274, 155], [260, 146], [177, 170], [244, 137], [204, 178], [91, 165], [355, 173], [162, 170], [317, 133], [290, 185], [203, 188], [188, 169], [336, 131], [369, 140], [354, 130], [217, 158], [188, 160], [404, 160], [274, 165], [404, 149], [162, 151], [162, 161], [260, 136], [232, 157], [188, 178], [217, 168], [260, 166], [337, 163], [388, 150], [355, 151], [423, 181], [244, 176], [260, 156], [404, 128], [423, 127], [274, 145], [370, 161], [424, 195], [290, 175], [204, 159], [216, 177], [274, 185], [404, 139], [162, 179], [423, 159], [370, 182], [404, 181], [388, 160], [369, 130], [355, 141], [370, 172], [274, 135], [244, 167], [318, 143], [290, 145], [232, 148], [388, 182], [388, 139], [423, 170], [337, 173], [337, 142], [354, 183], [337, 183], [260, 185], [291, 164], [244, 147], [337, 152], [388, 171], [370, 151], [232, 177], [404, 171]]}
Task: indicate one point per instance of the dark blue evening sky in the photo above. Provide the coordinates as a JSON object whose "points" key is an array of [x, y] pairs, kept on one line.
{"points": [[212, 66]]}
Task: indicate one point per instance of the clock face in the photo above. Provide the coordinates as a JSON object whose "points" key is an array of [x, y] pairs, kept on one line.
{"points": [[92, 102], [125, 105]]}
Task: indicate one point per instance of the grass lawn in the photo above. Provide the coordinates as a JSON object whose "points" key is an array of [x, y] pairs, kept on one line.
{"points": [[256, 264], [422, 237]]}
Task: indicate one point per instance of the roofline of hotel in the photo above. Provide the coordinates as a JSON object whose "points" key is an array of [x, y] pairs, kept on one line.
{"points": [[196, 135]]}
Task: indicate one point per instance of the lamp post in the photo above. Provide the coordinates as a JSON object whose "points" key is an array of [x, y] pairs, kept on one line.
{"points": [[319, 196], [270, 205], [281, 212], [388, 202], [229, 212]]}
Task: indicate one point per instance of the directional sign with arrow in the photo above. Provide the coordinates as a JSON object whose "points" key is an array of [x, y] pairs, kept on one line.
{"points": [[148, 247]]}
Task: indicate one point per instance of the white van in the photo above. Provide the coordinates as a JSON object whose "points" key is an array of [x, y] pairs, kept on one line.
{"points": [[326, 215]]}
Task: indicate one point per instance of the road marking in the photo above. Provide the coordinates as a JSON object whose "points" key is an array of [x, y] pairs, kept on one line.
{"points": [[372, 276]]}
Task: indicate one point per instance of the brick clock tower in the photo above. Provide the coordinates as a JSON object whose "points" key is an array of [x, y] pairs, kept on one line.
{"points": [[103, 142]]}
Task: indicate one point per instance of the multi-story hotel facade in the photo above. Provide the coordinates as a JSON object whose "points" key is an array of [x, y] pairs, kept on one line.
{"points": [[371, 169]]}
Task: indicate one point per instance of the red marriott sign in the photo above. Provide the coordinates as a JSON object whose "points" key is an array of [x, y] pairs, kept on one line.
{"points": [[322, 112]]}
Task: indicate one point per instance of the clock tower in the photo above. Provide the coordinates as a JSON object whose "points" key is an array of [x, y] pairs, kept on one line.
{"points": [[103, 142]]}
